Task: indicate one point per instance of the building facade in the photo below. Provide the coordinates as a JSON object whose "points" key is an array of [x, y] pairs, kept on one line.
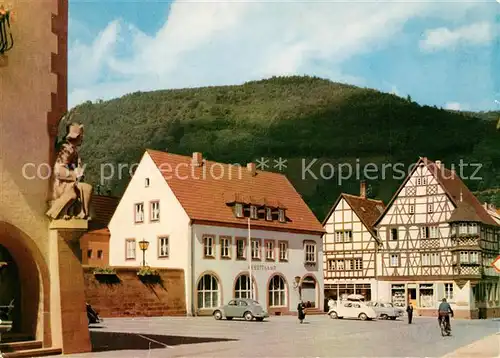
{"points": [[350, 246], [221, 224], [438, 242]]}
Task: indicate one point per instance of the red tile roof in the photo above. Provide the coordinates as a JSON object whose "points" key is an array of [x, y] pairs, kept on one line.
{"points": [[102, 208], [205, 192], [454, 187]]}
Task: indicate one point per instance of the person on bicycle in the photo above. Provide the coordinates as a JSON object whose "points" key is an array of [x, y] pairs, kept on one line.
{"points": [[444, 312]]}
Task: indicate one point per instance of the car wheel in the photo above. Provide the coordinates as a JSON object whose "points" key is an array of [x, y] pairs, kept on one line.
{"points": [[363, 316], [333, 315], [248, 316], [260, 319], [218, 315], [384, 316]]}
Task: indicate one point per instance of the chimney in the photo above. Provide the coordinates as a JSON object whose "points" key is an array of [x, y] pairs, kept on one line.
{"points": [[197, 159], [438, 164], [362, 189], [251, 169]]}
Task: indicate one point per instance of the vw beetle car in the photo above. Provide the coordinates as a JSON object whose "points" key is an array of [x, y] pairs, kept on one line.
{"points": [[241, 308], [349, 309], [386, 310]]}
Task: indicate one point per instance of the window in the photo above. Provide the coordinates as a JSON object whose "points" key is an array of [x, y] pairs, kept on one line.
{"points": [[424, 180], [331, 265], [269, 214], [225, 247], [256, 249], [448, 291], [163, 246], [435, 259], [208, 246], [340, 265], [426, 259], [472, 228], [238, 210], [270, 250], [424, 232], [430, 207], [419, 181], [139, 213], [434, 232], [146, 182], [394, 234], [474, 257], [463, 228], [155, 210], [394, 260], [283, 248], [358, 264], [343, 235], [242, 287], [208, 292], [310, 253], [277, 292], [99, 254], [130, 249], [89, 254], [253, 212], [281, 215], [411, 209], [240, 249]]}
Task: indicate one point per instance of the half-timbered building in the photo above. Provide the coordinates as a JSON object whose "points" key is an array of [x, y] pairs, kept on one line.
{"points": [[350, 245], [439, 242]]}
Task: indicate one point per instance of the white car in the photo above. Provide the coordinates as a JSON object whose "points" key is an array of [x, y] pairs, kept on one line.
{"points": [[386, 310], [349, 309]]}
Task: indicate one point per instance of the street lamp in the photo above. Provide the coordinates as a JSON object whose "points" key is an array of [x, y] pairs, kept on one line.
{"points": [[143, 245]]}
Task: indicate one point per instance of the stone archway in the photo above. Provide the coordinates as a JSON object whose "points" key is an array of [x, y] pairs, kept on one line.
{"points": [[32, 312], [309, 291]]}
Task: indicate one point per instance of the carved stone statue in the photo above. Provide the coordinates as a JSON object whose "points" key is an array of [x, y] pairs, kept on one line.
{"points": [[70, 196]]}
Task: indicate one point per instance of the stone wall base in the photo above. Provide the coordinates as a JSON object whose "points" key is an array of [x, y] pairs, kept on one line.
{"points": [[127, 296]]}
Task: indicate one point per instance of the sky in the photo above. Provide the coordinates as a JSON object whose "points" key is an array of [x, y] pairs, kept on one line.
{"points": [[440, 52]]}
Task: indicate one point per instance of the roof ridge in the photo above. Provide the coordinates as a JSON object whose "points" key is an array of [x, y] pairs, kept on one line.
{"points": [[360, 197]]}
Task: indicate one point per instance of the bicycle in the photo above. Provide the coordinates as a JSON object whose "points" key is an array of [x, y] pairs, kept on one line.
{"points": [[444, 324]]}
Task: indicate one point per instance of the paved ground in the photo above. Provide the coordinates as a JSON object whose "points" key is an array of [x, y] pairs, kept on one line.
{"points": [[285, 337]]}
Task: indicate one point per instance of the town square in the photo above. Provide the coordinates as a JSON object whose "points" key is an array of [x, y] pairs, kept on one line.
{"points": [[247, 179]]}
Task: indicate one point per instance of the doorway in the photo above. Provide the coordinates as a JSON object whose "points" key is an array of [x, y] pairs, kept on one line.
{"points": [[309, 295], [412, 296], [10, 287]]}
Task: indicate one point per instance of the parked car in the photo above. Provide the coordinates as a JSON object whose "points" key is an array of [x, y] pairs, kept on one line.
{"points": [[241, 308], [386, 310], [349, 309]]}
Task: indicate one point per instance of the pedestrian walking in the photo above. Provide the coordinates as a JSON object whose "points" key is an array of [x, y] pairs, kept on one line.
{"points": [[409, 310], [301, 311]]}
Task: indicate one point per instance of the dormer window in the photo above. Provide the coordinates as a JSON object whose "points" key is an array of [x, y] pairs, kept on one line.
{"points": [[269, 214], [281, 215], [146, 182], [238, 210], [253, 212]]}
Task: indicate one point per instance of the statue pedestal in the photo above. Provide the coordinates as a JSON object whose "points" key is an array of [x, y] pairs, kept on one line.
{"points": [[70, 331]]}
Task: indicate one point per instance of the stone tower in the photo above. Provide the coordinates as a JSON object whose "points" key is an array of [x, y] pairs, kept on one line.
{"points": [[49, 294]]}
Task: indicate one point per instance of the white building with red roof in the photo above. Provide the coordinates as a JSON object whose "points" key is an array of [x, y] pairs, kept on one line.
{"points": [[195, 213], [350, 246], [438, 242]]}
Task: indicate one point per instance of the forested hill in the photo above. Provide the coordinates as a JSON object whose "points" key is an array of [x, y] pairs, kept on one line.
{"points": [[295, 118]]}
